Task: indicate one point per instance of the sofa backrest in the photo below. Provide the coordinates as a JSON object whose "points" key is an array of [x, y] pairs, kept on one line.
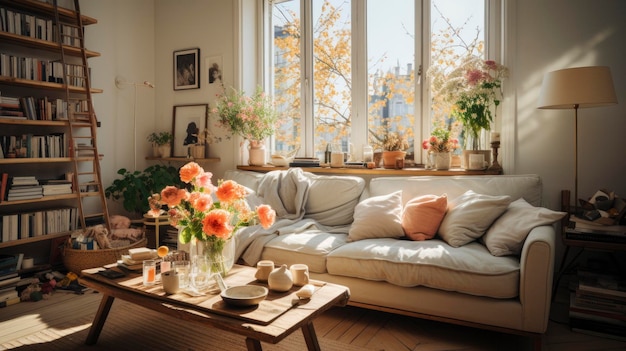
{"points": [[527, 186]]}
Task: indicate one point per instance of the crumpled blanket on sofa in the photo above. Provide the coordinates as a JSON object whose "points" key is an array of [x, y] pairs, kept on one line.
{"points": [[286, 192]]}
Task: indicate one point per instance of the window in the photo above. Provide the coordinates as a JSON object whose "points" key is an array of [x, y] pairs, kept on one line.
{"points": [[345, 73]]}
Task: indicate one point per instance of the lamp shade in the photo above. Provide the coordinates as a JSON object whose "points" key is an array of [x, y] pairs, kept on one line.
{"points": [[577, 87]]}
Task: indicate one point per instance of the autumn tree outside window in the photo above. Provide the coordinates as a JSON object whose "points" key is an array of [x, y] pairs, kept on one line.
{"points": [[348, 72]]}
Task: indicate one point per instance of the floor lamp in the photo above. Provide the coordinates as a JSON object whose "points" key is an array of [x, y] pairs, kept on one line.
{"points": [[575, 88], [120, 83]]}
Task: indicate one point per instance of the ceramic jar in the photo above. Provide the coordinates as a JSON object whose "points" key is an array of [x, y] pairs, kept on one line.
{"points": [[280, 279]]}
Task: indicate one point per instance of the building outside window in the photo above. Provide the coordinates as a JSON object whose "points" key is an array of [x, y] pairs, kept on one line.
{"points": [[344, 73]]}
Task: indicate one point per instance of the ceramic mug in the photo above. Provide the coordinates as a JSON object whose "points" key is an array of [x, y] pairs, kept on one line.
{"points": [[263, 270], [300, 274], [171, 282]]}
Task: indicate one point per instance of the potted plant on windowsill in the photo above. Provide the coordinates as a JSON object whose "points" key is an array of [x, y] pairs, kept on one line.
{"points": [[201, 148], [161, 143], [394, 145]]}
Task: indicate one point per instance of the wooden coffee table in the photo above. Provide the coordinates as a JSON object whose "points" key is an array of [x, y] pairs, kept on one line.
{"points": [[275, 318]]}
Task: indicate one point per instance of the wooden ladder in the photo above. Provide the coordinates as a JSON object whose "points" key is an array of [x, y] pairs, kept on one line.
{"points": [[83, 146]]}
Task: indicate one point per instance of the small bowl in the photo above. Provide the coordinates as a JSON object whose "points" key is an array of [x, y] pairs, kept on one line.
{"points": [[244, 295]]}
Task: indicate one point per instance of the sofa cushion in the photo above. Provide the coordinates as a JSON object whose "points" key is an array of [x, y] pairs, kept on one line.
{"points": [[309, 247], [470, 215], [332, 199], [507, 234], [378, 217], [469, 269], [422, 216]]}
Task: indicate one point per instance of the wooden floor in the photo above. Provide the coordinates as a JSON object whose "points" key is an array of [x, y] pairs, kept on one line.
{"points": [[342, 329]]}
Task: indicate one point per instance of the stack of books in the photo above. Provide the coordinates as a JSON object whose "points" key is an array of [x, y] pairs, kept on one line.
{"points": [[10, 108], [598, 305], [56, 187], [9, 265], [23, 188], [305, 162]]}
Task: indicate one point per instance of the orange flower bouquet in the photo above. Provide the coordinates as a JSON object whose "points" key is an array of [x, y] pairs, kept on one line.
{"points": [[198, 217]]}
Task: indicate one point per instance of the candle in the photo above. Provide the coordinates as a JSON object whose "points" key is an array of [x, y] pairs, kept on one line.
{"points": [[495, 136]]}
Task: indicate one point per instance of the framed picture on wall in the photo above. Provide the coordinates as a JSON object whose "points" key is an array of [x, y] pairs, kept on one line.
{"points": [[189, 120], [187, 69]]}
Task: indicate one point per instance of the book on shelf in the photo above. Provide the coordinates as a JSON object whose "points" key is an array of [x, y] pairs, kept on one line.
{"points": [[8, 294], [582, 309], [9, 281], [9, 302], [4, 186], [608, 284]]}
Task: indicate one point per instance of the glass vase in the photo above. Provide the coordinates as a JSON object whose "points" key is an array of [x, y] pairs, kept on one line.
{"points": [[212, 257], [442, 160]]}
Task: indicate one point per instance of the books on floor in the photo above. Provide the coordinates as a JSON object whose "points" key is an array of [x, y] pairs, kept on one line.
{"points": [[598, 304]]}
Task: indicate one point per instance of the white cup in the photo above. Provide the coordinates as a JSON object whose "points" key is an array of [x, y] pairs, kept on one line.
{"points": [[263, 270], [300, 274], [170, 281], [336, 159]]}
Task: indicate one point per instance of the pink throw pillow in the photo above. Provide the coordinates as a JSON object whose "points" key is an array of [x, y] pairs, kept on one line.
{"points": [[423, 215]]}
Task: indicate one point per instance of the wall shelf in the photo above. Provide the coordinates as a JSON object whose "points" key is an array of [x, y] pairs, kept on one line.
{"points": [[184, 159]]}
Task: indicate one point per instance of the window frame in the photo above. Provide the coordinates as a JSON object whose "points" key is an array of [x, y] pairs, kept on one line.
{"points": [[494, 49]]}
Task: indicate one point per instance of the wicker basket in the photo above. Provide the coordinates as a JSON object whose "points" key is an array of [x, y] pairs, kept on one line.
{"points": [[77, 260]]}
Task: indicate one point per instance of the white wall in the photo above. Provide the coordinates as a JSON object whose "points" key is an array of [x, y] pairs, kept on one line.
{"points": [[137, 39], [558, 34], [124, 35]]}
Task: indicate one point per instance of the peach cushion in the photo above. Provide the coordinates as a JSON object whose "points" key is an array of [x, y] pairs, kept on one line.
{"points": [[422, 216]]}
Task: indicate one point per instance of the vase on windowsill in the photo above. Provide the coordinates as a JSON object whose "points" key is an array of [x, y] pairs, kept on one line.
{"points": [[256, 153], [442, 160]]}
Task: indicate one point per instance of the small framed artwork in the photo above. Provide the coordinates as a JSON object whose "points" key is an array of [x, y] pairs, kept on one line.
{"points": [[214, 66], [187, 69], [189, 120]]}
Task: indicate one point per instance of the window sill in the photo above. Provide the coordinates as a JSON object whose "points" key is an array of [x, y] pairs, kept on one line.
{"points": [[375, 171]]}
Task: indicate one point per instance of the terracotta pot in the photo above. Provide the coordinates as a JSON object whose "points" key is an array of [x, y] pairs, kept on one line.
{"points": [[389, 158]]}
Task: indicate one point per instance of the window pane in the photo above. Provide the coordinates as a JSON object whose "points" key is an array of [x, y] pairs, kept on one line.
{"points": [[391, 73], [332, 73], [287, 73], [457, 31]]}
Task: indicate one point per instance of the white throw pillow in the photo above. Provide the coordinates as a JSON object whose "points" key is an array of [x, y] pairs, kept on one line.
{"points": [[332, 199], [378, 217], [469, 216], [507, 234]]}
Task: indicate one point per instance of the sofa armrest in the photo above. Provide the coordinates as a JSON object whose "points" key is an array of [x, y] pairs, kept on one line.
{"points": [[536, 275]]}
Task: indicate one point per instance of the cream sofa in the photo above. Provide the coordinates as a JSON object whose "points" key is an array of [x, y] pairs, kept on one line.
{"points": [[431, 279]]}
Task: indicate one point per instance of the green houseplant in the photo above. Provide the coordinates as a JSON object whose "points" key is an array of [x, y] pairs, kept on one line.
{"points": [[161, 143], [134, 188]]}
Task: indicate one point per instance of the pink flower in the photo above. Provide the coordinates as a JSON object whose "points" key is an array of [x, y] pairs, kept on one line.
{"points": [[229, 191], [204, 181], [267, 215], [474, 76], [172, 196], [217, 222], [189, 171]]}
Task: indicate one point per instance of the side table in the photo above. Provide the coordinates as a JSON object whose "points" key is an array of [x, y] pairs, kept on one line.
{"points": [[578, 233]]}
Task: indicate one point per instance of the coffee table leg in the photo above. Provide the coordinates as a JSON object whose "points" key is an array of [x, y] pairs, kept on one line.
{"points": [[99, 319], [253, 344], [310, 337]]}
